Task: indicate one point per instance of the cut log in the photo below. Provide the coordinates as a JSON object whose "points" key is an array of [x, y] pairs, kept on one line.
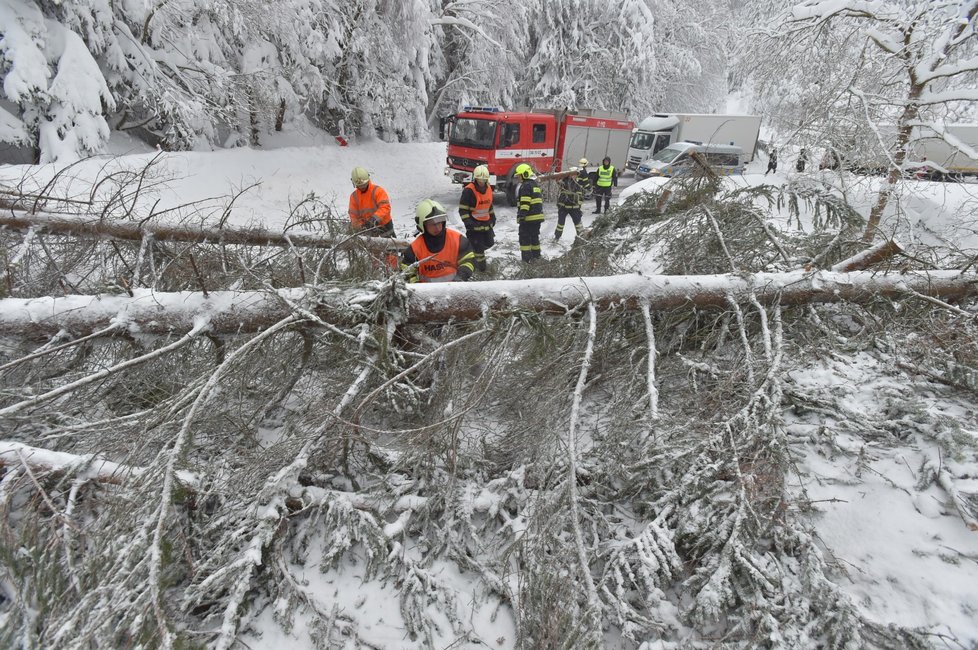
{"points": [[868, 257], [231, 312]]}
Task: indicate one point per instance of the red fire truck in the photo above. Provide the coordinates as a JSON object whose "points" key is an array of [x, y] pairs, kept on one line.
{"points": [[547, 140]]}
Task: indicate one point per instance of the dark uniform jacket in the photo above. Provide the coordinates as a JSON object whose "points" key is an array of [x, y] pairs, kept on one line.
{"points": [[530, 201]]}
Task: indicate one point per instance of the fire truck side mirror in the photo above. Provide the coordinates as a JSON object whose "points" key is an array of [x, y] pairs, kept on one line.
{"points": [[445, 126]]}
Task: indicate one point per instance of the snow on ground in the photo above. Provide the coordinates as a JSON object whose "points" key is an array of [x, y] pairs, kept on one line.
{"points": [[905, 554], [279, 177], [909, 558]]}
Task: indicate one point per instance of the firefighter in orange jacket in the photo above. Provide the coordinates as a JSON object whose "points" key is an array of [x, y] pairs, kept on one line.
{"points": [[439, 253], [475, 208], [370, 206]]}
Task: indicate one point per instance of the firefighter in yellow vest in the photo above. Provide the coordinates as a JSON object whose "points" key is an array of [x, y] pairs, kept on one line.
{"points": [[475, 208], [529, 213], [604, 178], [439, 253]]}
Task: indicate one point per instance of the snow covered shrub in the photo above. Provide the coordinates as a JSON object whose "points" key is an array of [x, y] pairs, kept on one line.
{"points": [[51, 78]]}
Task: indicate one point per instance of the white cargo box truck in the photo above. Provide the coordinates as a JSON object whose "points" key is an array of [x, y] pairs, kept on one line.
{"points": [[934, 148], [929, 154], [659, 131]]}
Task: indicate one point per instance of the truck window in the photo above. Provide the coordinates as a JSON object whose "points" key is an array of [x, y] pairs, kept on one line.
{"points": [[539, 133], [642, 140], [661, 142], [468, 132], [509, 135]]}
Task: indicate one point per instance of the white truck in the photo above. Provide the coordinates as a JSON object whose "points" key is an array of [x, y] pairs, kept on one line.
{"points": [[930, 153], [662, 129]]}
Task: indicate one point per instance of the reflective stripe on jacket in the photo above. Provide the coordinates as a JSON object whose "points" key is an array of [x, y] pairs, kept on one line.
{"points": [[531, 202], [605, 176], [482, 210], [371, 202], [443, 265]]}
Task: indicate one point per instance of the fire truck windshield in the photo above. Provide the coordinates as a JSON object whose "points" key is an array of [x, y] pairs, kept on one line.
{"points": [[467, 132]]}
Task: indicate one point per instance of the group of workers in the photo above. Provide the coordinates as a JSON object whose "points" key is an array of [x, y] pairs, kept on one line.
{"points": [[442, 254]]}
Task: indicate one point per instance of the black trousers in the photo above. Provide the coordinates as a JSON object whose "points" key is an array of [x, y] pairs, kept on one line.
{"points": [[481, 240], [602, 192], [562, 212], [529, 232]]}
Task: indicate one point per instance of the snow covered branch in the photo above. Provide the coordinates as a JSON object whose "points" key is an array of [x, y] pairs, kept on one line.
{"points": [[85, 466]]}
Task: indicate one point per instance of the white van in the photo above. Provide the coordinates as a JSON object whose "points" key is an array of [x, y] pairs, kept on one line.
{"points": [[674, 160]]}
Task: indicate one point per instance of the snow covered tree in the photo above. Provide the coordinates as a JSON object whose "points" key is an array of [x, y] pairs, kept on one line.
{"points": [[379, 82], [481, 53], [635, 56], [905, 64], [51, 77]]}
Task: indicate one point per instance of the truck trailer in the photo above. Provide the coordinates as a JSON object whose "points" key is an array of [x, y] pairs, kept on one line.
{"points": [[549, 141], [930, 152], [662, 129]]}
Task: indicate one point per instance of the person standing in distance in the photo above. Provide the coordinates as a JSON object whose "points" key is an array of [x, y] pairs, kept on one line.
{"points": [[606, 177], [370, 206], [529, 213], [438, 254], [802, 161], [478, 215], [772, 161]]}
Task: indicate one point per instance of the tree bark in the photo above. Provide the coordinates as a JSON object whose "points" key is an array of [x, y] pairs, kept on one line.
{"points": [[868, 257], [230, 312], [54, 224], [280, 116]]}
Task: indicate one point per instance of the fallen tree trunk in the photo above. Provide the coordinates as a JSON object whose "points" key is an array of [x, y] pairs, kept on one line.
{"points": [[231, 312], [24, 221]]}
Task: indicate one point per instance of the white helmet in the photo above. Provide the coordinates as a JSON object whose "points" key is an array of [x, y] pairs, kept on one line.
{"points": [[481, 173], [360, 176], [582, 162], [429, 211]]}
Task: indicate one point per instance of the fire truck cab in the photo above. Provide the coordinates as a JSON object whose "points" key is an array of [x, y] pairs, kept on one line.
{"points": [[547, 141]]}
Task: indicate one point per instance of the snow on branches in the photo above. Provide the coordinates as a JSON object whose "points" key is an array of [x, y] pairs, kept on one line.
{"points": [[541, 462], [56, 83]]}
